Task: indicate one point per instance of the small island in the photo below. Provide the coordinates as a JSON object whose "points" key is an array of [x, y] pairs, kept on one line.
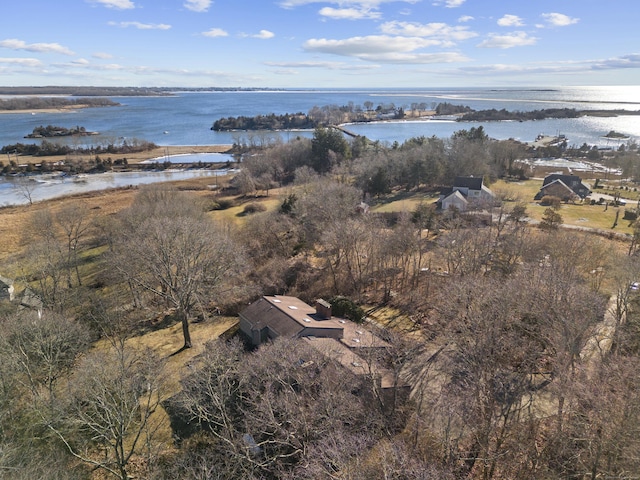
{"points": [[616, 135], [51, 131]]}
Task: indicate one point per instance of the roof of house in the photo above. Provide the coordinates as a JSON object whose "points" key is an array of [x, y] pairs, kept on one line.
{"points": [[456, 194], [29, 299], [350, 360], [569, 180], [286, 316], [472, 183], [356, 336], [574, 182], [556, 188]]}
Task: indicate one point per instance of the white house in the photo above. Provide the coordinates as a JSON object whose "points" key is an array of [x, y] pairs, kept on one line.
{"points": [[466, 192]]}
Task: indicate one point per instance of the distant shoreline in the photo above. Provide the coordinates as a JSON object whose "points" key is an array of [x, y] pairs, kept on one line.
{"points": [[35, 111]]}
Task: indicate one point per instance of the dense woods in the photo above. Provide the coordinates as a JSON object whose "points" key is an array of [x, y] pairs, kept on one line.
{"points": [[53, 131], [50, 148], [520, 344]]}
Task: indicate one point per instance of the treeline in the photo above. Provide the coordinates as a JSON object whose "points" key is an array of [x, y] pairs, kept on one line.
{"points": [[47, 148], [420, 162], [503, 114], [54, 131], [265, 122], [317, 116], [447, 108], [85, 91], [39, 103]]}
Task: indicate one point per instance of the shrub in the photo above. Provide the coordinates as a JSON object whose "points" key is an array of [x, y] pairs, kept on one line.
{"points": [[221, 204], [253, 207], [551, 220], [346, 308], [551, 201]]}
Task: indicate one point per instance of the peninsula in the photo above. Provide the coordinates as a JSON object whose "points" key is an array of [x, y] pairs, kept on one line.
{"points": [[52, 104]]}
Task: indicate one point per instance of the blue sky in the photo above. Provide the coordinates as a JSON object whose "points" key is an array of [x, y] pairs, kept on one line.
{"points": [[314, 43]]}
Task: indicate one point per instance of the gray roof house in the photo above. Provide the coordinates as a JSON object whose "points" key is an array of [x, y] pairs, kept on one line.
{"points": [[465, 192]]}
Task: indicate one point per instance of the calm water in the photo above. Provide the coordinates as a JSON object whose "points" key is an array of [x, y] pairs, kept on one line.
{"points": [[186, 118]]}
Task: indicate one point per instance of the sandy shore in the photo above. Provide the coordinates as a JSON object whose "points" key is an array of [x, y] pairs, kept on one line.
{"points": [[35, 111], [137, 157]]}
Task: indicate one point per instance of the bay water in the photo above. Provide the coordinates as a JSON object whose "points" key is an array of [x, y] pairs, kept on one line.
{"points": [[185, 118]]}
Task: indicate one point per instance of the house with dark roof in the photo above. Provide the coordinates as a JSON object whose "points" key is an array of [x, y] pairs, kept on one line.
{"points": [[466, 192], [556, 182]]}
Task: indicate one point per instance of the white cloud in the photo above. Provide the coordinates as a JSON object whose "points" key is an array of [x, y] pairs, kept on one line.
{"points": [[325, 65], [117, 4], [626, 61], [102, 55], [465, 18], [563, 68], [262, 35], [349, 13], [441, 31], [360, 4], [384, 49], [197, 5], [15, 44], [516, 39], [417, 58], [215, 32], [510, 21], [449, 3], [559, 19], [86, 65], [141, 26], [25, 62]]}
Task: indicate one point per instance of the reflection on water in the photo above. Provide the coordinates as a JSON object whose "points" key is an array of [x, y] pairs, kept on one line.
{"points": [[17, 190]]}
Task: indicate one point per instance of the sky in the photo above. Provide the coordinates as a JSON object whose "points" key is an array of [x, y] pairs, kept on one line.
{"points": [[320, 43]]}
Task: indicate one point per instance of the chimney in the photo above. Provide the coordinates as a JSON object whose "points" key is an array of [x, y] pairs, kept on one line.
{"points": [[323, 309]]}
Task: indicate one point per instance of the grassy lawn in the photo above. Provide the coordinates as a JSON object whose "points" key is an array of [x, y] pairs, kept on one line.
{"points": [[592, 216], [583, 215], [402, 201]]}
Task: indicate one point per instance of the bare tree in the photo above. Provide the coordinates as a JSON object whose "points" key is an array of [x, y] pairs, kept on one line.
{"points": [[272, 413], [75, 224], [108, 417], [25, 187], [169, 248]]}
